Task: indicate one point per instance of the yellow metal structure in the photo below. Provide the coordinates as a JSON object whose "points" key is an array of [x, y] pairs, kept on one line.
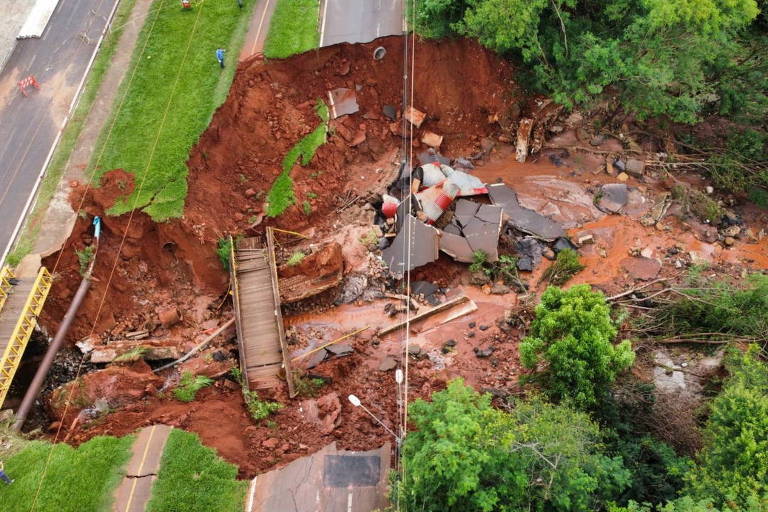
{"points": [[23, 330], [5, 284]]}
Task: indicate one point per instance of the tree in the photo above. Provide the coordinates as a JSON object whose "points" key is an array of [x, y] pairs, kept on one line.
{"points": [[662, 57], [572, 335], [467, 456], [733, 467]]}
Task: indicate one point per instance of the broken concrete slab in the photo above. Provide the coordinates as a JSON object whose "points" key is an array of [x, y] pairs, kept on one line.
{"points": [[564, 243], [523, 219], [148, 350], [390, 112], [635, 167], [432, 139], [613, 197], [424, 247], [529, 253], [340, 349], [414, 116], [316, 358], [475, 227], [342, 102], [563, 201]]}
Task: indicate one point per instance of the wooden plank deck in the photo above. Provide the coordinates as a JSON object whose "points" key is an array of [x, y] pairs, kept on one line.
{"points": [[259, 321]]}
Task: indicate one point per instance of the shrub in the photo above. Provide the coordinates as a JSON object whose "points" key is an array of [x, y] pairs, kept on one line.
{"points": [[295, 258], [84, 258], [223, 250], [565, 267], [572, 334], [467, 456], [258, 408], [189, 385]]}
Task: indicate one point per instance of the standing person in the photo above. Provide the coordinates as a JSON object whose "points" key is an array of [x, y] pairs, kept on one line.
{"points": [[220, 56], [3, 476]]}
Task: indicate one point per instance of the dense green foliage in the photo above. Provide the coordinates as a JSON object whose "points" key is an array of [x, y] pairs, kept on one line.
{"points": [[79, 479], [733, 466], [194, 478], [714, 307], [466, 455], [573, 334], [223, 251], [678, 58], [293, 28], [189, 385], [281, 195], [174, 89]]}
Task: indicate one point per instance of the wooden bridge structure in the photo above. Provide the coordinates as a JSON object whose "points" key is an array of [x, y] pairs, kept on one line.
{"points": [[264, 357]]}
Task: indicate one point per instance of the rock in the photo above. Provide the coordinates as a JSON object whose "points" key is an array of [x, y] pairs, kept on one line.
{"points": [[484, 327], [463, 163], [270, 443], [478, 278], [414, 350], [750, 235], [732, 231], [388, 363], [250, 192], [472, 325], [646, 252], [619, 165], [586, 239], [340, 349], [641, 268], [500, 289], [484, 352], [487, 144], [635, 167], [613, 197], [414, 116], [597, 140], [622, 176], [471, 334], [390, 112], [729, 241], [563, 243], [548, 253], [448, 346], [731, 219], [168, 316], [432, 139], [709, 189]]}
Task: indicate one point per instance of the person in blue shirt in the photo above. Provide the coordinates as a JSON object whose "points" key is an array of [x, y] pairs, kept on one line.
{"points": [[220, 56], [5, 478]]}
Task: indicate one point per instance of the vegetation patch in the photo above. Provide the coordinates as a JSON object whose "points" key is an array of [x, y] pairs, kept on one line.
{"points": [[71, 480], [223, 250], [293, 28], [295, 258], [572, 338], [189, 385], [504, 269], [193, 478], [132, 355], [84, 258], [162, 116], [698, 204], [281, 195], [567, 265]]}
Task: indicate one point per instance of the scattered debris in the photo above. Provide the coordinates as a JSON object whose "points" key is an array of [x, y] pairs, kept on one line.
{"points": [[523, 135], [523, 219], [424, 247], [432, 139], [474, 227], [414, 116], [612, 197], [342, 102]]}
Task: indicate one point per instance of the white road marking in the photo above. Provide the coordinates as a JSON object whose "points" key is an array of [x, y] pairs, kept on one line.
{"points": [[349, 501], [325, 16], [378, 29], [251, 492], [258, 31]]}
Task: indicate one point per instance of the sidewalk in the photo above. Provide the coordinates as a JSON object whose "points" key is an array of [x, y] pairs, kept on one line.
{"points": [[14, 14], [135, 491]]}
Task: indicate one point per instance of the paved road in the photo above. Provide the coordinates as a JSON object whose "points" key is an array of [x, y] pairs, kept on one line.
{"points": [[359, 21], [135, 490], [29, 127]]}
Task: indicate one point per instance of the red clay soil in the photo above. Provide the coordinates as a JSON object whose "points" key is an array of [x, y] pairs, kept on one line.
{"points": [[219, 417], [269, 109]]}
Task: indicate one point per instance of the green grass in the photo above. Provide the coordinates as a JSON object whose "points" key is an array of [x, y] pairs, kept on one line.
{"points": [[193, 478], [293, 28], [281, 196], [69, 136], [189, 385], [295, 258], [567, 264], [161, 119], [77, 480]]}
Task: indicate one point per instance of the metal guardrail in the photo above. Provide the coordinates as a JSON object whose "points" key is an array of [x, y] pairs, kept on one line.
{"points": [[23, 330], [6, 274]]}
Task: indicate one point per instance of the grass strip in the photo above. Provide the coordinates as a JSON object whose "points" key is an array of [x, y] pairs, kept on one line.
{"points": [[201, 88], [69, 136], [293, 28], [77, 479], [194, 478], [281, 195]]}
